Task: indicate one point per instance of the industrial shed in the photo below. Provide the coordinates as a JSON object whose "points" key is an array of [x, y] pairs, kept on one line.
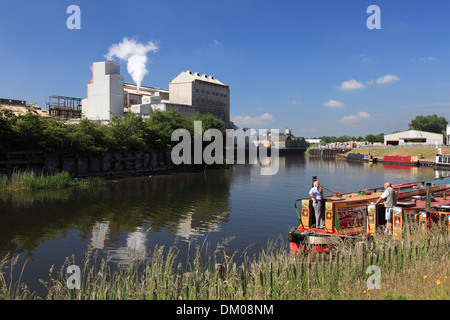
{"points": [[413, 137]]}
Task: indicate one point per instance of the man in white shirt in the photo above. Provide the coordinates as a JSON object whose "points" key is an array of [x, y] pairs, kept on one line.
{"points": [[316, 196], [390, 200]]}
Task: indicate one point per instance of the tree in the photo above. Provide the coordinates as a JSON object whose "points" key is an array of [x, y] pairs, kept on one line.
{"points": [[161, 125], [28, 129], [7, 137], [126, 132], [88, 136], [374, 138], [431, 123]]}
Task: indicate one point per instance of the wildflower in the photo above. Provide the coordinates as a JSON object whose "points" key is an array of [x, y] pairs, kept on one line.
{"points": [[364, 292], [425, 277], [438, 282]]}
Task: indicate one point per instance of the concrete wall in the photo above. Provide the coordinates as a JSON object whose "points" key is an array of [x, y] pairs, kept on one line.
{"points": [[101, 164], [212, 98], [180, 93]]}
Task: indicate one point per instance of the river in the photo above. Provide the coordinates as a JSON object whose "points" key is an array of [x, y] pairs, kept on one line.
{"points": [[139, 213]]}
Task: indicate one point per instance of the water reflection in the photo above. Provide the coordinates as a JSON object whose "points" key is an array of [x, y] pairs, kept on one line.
{"points": [[99, 234], [128, 217], [181, 204], [134, 249]]}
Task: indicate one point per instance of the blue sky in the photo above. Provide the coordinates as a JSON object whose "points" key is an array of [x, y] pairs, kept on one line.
{"points": [[312, 66]]}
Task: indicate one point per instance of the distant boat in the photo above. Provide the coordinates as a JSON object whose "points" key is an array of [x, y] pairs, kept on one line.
{"points": [[442, 161]]}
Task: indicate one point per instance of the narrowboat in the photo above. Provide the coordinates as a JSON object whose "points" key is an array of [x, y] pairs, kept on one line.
{"points": [[401, 160], [359, 157], [354, 215]]}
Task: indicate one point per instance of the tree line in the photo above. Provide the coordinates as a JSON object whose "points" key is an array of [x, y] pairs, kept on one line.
{"points": [[130, 132], [430, 123], [369, 138]]}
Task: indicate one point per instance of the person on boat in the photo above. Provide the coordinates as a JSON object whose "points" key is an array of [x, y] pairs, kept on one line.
{"points": [[316, 194], [390, 200]]}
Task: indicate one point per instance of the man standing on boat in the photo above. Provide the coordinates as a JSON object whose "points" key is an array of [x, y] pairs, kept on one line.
{"points": [[390, 200], [316, 194]]}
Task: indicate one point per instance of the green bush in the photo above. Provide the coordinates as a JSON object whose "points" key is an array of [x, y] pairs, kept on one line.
{"points": [[129, 132]]}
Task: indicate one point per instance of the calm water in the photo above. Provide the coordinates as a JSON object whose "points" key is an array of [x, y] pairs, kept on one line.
{"points": [[49, 226]]}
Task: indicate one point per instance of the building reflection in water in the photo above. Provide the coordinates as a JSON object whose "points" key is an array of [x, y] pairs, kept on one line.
{"points": [[99, 234]]}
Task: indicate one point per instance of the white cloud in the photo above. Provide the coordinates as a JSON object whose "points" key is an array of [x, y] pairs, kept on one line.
{"points": [[333, 104], [351, 85], [355, 85], [355, 118], [387, 79], [362, 57], [294, 102], [427, 58], [249, 121], [216, 43]]}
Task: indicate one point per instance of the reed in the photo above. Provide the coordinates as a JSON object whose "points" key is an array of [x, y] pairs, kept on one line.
{"points": [[29, 180], [415, 267]]}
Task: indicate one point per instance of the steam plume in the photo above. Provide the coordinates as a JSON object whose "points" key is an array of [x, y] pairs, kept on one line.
{"points": [[135, 54]]}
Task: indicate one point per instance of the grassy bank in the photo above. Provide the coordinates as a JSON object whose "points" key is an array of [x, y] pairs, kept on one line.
{"points": [[29, 180], [428, 153], [415, 268]]}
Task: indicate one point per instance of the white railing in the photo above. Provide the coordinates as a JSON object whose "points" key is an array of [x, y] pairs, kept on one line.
{"points": [[406, 146]]}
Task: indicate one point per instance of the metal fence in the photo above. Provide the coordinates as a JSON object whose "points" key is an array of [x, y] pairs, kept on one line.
{"points": [[405, 146]]}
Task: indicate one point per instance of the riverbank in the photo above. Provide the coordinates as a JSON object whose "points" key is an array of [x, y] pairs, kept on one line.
{"points": [[415, 268]]}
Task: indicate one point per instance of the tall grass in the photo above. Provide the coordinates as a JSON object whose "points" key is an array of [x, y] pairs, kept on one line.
{"points": [[414, 268], [29, 180]]}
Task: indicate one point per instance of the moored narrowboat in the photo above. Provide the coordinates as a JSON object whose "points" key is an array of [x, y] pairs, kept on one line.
{"points": [[401, 160], [354, 215]]}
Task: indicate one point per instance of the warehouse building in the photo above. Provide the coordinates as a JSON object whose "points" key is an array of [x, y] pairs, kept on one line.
{"points": [[205, 93], [413, 137]]}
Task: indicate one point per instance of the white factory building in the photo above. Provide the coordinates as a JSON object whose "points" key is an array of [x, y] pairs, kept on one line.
{"points": [[413, 137], [104, 92], [108, 95]]}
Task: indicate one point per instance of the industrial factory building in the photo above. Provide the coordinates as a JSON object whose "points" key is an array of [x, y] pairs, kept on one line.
{"points": [[104, 92], [413, 137], [20, 107], [108, 95], [207, 94]]}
